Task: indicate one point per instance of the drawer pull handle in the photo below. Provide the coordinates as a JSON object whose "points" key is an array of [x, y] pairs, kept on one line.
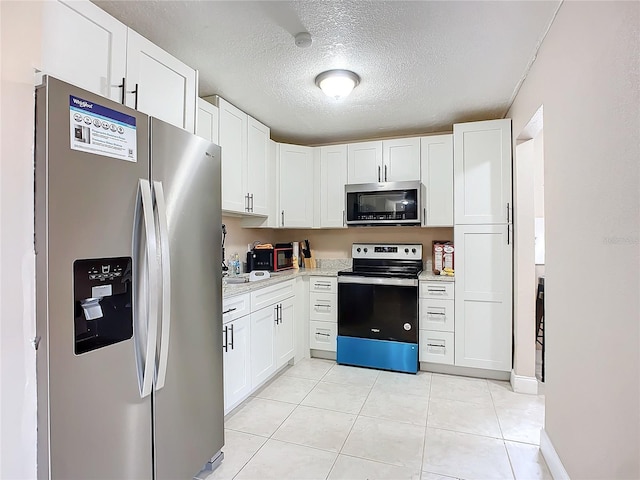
{"points": [[321, 305], [435, 313], [322, 334], [322, 285], [435, 345], [230, 310]]}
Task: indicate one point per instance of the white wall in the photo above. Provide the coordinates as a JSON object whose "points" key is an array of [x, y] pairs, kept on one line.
{"points": [[20, 53], [587, 76]]}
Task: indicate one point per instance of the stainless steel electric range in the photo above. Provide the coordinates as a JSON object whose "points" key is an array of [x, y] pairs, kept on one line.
{"points": [[378, 307]]}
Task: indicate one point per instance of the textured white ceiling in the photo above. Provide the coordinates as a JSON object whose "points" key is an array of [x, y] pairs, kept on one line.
{"points": [[424, 65]]}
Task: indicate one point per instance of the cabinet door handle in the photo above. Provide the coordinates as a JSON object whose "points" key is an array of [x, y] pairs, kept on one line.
{"points": [[508, 213], [378, 173], [226, 339], [246, 202], [385, 174], [251, 203], [232, 336], [275, 309], [124, 91], [280, 313], [424, 216], [283, 218], [136, 94], [344, 219], [230, 310], [508, 235]]}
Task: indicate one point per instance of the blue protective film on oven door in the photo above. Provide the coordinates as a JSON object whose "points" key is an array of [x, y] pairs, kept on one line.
{"points": [[383, 354]]}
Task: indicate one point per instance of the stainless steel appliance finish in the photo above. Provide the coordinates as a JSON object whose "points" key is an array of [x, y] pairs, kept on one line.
{"points": [[378, 307], [148, 406], [385, 203]]}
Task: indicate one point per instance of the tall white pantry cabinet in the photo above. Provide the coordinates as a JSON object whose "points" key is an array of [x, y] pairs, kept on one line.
{"points": [[484, 244]]}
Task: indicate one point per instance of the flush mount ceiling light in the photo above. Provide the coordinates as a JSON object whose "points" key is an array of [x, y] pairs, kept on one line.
{"points": [[337, 83]]}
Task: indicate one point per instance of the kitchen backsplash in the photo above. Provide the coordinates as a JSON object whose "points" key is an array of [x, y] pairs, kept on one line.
{"points": [[330, 243]]}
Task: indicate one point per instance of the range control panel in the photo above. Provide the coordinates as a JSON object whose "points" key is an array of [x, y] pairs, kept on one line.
{"points": [[387, 251]]}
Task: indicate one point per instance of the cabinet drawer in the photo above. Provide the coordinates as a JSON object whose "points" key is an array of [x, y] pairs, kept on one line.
{"points": [[437, 290], [270, 295], [235, 307], [323, 335], [437, 314], [323, 306], [436, 347], [323, 284]]}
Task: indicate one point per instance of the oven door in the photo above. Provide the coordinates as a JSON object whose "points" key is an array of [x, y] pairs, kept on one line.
{"points": [[378, 308]]}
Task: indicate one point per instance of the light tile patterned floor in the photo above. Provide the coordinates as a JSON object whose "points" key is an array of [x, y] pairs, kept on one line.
{"points": [[324, 421]]}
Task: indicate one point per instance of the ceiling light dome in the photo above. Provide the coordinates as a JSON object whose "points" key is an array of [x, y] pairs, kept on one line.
{"points": [[337, 83]]}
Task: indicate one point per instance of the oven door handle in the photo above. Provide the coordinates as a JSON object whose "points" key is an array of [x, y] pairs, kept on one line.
{"points": [[394, 282]]}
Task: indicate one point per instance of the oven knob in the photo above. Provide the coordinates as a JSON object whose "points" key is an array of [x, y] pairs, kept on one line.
{"points": [[366, 250], [358, 249], [407, 326], [406, 250], [413, 250]]}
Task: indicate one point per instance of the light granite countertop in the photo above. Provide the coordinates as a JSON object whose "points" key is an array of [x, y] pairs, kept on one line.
{"points": [[428, 275], [231, 289]]}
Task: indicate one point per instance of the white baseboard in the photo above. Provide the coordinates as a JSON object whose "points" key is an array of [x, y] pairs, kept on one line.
{"points": [[522, 384], [551, 457]]}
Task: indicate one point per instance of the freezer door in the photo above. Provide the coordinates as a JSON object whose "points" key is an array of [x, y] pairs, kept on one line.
{"points": [[92, 421], [188, 400]]}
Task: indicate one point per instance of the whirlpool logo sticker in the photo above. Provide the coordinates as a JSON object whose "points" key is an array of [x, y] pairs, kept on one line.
{"points": [[101, 130]]}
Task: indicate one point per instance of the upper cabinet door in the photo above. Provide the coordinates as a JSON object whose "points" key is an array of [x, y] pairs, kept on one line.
{"points": [[401, 160], [482, 172], [233, 141], [333, 177], [436, 167], [84, 46], [365, 162], [295, 174], [207, 121], [257, 153], [166, 88]]}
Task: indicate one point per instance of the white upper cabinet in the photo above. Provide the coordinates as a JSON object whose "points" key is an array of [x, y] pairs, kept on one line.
{"points": [[364, 162], [333, 177], [295, 180], [257, 153], [482, 172], [233, 142], [401, 160], [245, 151], [483, 296], [396, 160], [207, 121], [159, 84], [436, 167], [85, 46]]}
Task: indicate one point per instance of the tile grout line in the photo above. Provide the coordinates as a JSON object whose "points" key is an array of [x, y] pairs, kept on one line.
{"points": [[353, 425], [495, 410]]}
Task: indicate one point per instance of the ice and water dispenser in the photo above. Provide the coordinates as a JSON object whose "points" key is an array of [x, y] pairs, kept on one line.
{"points": [[102, 290]]}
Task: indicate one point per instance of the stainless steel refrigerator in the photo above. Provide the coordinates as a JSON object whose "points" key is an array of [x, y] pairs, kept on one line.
{"points": [[128, 284]]}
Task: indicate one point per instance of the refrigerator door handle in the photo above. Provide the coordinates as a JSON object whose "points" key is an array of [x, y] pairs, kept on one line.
{"points": [[145, 354], [163, 227]]}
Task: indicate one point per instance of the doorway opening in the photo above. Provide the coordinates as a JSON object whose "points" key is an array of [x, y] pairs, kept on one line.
{"points": [[529, 255]]}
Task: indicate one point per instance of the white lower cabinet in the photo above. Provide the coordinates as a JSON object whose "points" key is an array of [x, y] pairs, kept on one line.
{"points": [[237, 361], [285, 332], [437, 347], [258, 338], [437, 322], [263, 356], [323, 336], [323, 313]]}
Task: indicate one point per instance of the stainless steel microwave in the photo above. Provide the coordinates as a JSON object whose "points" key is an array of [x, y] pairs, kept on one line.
{"points": [[386, 203]]}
